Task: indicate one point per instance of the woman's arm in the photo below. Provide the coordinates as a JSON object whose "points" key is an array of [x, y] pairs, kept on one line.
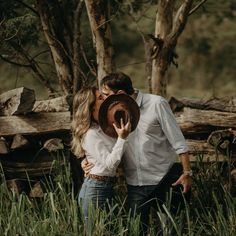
{"points": [[95, 145]]}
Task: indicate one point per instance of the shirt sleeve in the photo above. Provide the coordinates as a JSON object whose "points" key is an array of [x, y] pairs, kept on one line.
{"points": [[96, 147], [170, 127]]}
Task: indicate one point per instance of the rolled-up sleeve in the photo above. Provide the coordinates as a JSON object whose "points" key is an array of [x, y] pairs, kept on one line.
{"points": [[170, 127]]}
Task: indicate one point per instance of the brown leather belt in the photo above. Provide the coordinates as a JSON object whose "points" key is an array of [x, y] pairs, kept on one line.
{"points": [[102, 178]]}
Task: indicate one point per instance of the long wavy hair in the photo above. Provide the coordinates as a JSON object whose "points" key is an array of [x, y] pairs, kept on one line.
{"points": [[82, 118]]}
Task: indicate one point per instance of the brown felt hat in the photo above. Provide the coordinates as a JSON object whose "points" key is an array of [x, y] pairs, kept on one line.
{"points": [[114, 108]]}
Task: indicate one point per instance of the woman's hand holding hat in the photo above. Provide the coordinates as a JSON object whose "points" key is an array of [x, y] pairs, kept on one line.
{"points": [[114, 108], [124, 130]]}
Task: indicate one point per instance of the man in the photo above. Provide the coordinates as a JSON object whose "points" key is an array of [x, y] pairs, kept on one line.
{"points": [[151, 152]]}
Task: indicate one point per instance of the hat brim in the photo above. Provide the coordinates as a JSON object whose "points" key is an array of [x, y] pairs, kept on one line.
{"points": [[129, 103]]}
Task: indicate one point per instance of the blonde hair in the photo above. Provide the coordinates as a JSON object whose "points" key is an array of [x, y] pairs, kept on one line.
{"points": [[82, 118]]}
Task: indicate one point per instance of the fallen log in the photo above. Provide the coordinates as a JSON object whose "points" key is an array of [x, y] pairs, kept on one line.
{"points": [[25, 163], [223, 140], [53, 145], [17, 101], [36, 191], [17, 186], [3, 146], [25, 170], [194, 121], [59, 104], [37, 123], [19, 142], [201, 150], [191, 121], [226, 104], [32, 188]]}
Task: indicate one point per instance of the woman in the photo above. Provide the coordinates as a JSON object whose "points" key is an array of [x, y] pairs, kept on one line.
{"points": [[102, 151]]}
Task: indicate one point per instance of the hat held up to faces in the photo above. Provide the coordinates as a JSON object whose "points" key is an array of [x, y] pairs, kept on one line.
{"points": [[114, 108]]}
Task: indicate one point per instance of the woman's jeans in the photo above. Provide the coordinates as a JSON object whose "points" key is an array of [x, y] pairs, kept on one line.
{"points": [[94, 194]]}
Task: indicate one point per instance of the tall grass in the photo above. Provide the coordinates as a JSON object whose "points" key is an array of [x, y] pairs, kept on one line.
{"points": [[212, 210]]}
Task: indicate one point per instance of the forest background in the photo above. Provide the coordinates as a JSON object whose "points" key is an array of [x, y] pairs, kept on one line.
{"points": [[206, 68], [206, 49]]}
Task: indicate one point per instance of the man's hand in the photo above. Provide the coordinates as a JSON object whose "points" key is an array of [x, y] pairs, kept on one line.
{"points": [[86, 166], [186, 181]]}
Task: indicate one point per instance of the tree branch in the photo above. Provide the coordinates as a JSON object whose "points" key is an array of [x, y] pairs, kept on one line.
{"points": [[40, 53], [29, 7], [180, 21], [14, 63], [148, 64], [101, 31], [196, 7], [61, 57], [34, 66], [86, 61]]}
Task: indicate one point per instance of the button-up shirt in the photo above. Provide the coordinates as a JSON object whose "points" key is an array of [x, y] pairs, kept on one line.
{"points": [[152, 147], [102, 151]]}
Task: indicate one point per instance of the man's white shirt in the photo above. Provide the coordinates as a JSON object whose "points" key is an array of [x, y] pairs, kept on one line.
{"points": [[152, 147]]}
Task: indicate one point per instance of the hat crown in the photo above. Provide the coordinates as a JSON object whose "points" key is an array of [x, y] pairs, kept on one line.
{"points": [[117, 111], [117, 107]]}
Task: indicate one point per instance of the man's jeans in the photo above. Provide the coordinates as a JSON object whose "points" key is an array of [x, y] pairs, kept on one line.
{"points": [[142, 198], [94, 193]]}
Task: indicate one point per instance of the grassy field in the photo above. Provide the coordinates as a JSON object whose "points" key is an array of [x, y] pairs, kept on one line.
{"points": [[212, 210]]}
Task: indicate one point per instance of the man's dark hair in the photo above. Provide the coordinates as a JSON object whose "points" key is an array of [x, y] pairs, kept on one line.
{"points": [[118, 81]]}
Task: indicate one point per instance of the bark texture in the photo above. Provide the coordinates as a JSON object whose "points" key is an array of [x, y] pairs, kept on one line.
{"points": [[226, 104], [195, 121], [61, 26], [39, 123], [99, 17], [167, 31]]}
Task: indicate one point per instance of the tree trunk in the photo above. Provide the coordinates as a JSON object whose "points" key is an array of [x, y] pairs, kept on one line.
{"points": [[167, 32], [99, 17], [77, 75], [164, 19], [61, 27]]}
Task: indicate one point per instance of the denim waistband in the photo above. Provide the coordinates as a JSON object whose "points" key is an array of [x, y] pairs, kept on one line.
{"points": [[102, 178]]}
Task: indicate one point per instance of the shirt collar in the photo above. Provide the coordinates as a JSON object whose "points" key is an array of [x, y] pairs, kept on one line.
{"points": [[139, 98]]}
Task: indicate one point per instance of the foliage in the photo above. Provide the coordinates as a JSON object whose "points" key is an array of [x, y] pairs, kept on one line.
{"points": [[212, 210], [206, 49], [23, 46], [19, 29], [206, 52]]}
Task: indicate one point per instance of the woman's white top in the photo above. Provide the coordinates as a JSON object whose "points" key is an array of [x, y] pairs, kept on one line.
{"points": [[103, 151]]}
